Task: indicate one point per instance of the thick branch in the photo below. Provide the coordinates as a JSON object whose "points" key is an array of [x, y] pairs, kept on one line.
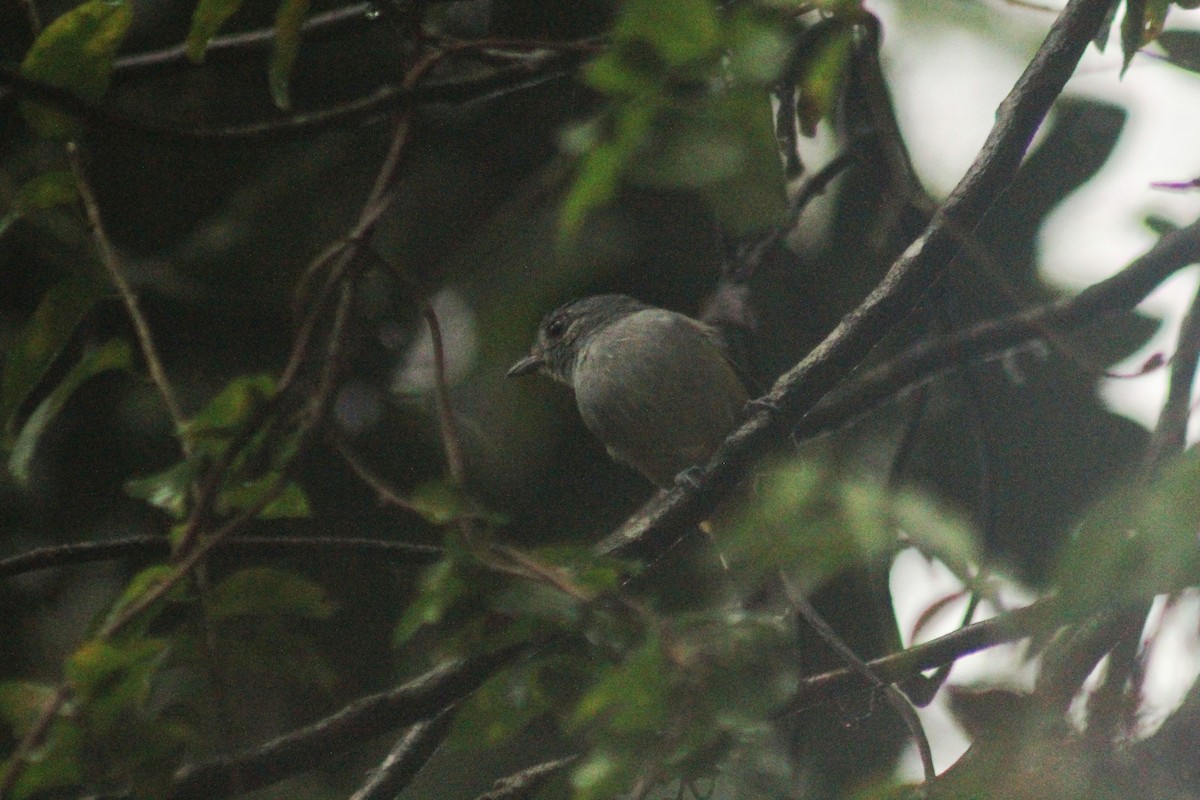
{"points": [[363, 719], [924, 361], [802, 387]]}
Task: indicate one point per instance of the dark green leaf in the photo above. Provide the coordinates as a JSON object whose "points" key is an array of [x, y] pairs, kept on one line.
{"points": [[110, 680], [1137, 543], [680, 31], [439, 502], [441, 587], [40, 342], [44, 191], [207, 20], [139, 585], [263, 590], [632, 697], [288, 21], [1183, 48], [1133, 27], [115, 354], [21, 703], [53, 765], [75, 52], [290, 503], [228, 412]]}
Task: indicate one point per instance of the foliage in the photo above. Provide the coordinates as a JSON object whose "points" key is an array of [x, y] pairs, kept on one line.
{"points": [[201, 347]]}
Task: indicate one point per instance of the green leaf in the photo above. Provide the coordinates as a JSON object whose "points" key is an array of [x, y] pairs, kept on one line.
{"points": [[44, 191], [21, 704], [1137, 543], [439, 502], [267, 591], [633, 697], [680, 31], [815, 523], [111, 680], [53, 765], [112, 355], [288, 21], [275, 651], [441, 587], [290, 503], [169, 490], [228, 412], [602, 774], [823, 75], [756, 49], [141, 583], [601, 167], [75, 52], [500, 709], [207, 20], [40, 342]]}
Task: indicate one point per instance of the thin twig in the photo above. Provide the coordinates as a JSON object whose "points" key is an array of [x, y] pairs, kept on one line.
{"points": [[141, 326], [451, 441], [1170, 434], [799, 602], [155, 547], [526, 783]]}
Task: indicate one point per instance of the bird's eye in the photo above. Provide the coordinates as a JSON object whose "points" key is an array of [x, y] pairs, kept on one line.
{"points": [[556, 328]]}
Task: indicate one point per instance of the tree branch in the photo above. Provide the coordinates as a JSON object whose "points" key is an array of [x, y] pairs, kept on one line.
{"points": [[301, 750], [64, 555], [802, 387]]}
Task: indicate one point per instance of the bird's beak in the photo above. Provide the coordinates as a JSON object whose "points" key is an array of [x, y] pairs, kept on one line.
{"points": [[526, 365]]}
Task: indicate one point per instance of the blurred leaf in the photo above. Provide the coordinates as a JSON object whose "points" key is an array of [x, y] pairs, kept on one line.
{"points": [[21, 703], [1142, 23], [55, 764], [275, 651], [109, 679], [169, 490], [823, 74], [441, 587], [631, 697], [229, 412], [263, 590], [679, 31], [1183, 48], [39, 193], [288, 20], [207, 20], [40, 341], [756, 49], [602, 774], [439, 502], [936, 531], [114, 354], [1138, 542], [290, 503], [141, 583], [602, 165], [501, 708], [75, 52]]}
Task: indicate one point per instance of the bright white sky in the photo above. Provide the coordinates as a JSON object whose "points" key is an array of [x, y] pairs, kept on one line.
{"points": [[950, 62]]}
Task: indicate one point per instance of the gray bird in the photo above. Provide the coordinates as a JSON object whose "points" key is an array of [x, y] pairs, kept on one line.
{"points": [[656, 387]]}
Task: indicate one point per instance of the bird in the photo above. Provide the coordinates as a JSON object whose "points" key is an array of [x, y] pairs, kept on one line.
{"points": [[656, 387]]}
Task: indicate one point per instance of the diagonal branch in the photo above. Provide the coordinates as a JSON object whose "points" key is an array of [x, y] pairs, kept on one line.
{"points": [[802, 387]]}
